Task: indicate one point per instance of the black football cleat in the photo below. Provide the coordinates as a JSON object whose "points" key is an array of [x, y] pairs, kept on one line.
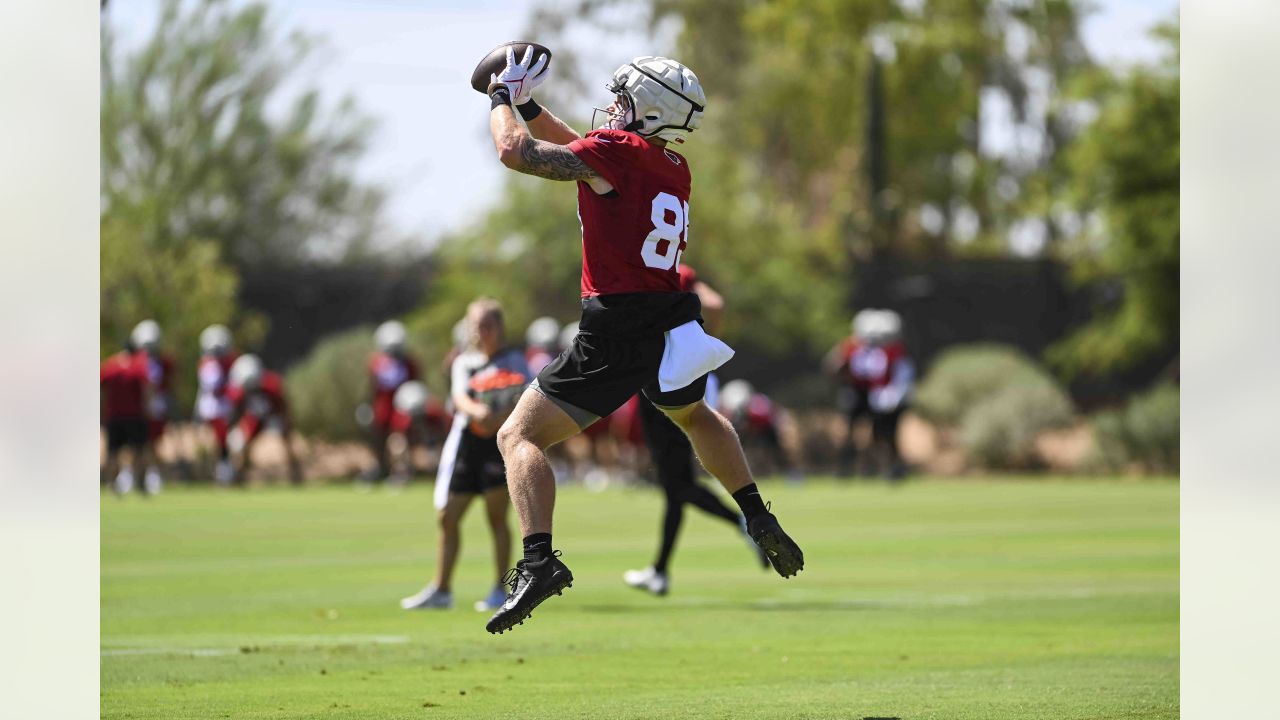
{"points": [[530, 583], [786, 557]]}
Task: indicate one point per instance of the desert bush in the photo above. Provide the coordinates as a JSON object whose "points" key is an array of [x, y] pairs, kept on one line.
{"points": [[326, 387], [1144, 434], [997, 400]]}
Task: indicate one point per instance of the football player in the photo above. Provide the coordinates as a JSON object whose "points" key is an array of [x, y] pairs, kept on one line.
{"points": [[485, 380], [123, 382], [257, 402], [879, 376], [389, 367], [673, 462], [638, 331], [146, 338], [217, 354], [759, 421]]}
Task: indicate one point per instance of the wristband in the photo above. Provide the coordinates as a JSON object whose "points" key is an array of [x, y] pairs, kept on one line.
{"points": [[500, 96], [529, 110]]}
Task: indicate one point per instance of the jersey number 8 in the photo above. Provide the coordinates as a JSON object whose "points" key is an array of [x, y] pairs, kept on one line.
{"points": [[676, 232]]}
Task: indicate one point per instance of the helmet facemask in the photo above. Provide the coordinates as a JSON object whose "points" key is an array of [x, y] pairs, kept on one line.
{"points": [[620, 115]]}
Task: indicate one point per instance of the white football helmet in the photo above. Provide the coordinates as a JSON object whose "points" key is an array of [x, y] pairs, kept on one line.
{"points": [[542, 332], [735, 395], [146, 335], [890, 327], [215, 340], [567, 335], [390, 336], [246, 372], [656, 97], [864, 323], [411, 398]]}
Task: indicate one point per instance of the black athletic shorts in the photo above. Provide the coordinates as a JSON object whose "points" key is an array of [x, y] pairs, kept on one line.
{"points": [[131, 433], [479, 467], [616, 354]]}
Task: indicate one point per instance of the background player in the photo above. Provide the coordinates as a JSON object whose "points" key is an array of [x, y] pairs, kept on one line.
{"points": [[485, 380], [390, 366], [122, 379], [879, 375], [638, 331], [160, 368], [213, 408], [257, 402], [674, 462]]}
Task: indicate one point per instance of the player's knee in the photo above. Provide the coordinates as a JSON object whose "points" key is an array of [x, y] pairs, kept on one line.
{"points": [[448, 521]]}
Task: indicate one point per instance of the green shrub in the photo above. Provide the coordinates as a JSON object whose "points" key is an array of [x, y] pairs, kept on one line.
{"points": [[997, 399], [325, 388], [1001, 431], [965, 376], [1143, 434]]}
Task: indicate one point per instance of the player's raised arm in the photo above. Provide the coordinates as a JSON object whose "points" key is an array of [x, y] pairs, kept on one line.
{"points": [[524, 153], [545, 126], [519, 150]]}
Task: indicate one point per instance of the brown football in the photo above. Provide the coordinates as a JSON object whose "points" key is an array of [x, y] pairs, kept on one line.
{"points": [[495, 61]]}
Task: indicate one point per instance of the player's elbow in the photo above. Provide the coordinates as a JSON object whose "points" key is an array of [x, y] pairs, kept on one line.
{"points": [[511, 154]]}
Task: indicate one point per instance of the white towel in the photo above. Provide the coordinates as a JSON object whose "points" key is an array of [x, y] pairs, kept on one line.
{"points": [[689, 354]]}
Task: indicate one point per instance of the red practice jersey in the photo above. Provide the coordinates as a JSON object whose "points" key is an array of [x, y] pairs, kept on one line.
{"points": [[869, 366], [257, 406], [386, 374], [264, 401], [123, 379], [632, 238], [212, 374]]}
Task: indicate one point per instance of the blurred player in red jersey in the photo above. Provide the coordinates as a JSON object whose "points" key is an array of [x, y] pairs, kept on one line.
{"points": [[389, 367], [760, 422], [122, 379], [257, 402], [213, 407], [408, 427], [638, 332], [673, 460], [879, 375], [485, 381], [146, 338]]}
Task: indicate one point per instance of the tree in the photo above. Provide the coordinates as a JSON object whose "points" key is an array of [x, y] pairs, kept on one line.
{"points": [[205, 136], [184, 287], [1126, 170]]}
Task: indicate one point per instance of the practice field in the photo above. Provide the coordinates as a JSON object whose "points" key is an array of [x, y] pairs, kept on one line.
{"points": [[940, 599]]}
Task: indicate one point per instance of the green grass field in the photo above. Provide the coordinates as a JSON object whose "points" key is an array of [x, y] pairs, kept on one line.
{"points": [[941, 599]]}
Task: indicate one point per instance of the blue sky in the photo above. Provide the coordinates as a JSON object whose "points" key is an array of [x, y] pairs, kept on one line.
{"points": [[407, 63]]}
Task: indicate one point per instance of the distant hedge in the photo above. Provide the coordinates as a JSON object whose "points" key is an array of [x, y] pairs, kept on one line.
{"points": [[997, 399]]}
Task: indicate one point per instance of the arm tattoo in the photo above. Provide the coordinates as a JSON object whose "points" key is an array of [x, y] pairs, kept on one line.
{"points": [[554, 162]]}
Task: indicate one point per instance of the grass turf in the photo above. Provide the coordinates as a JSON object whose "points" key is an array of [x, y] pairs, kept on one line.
{"points": [[942, 599]]}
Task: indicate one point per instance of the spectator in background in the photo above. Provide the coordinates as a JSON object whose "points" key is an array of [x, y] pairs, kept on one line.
{"points": [[674, 463], [122, 379], [213, 407], [540, 343], [257, 402], [874, 366], [159, 364], [486, 380], [389, 368]]}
